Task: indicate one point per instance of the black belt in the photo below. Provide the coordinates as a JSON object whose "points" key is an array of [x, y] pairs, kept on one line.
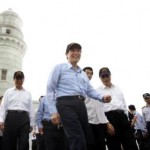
{"points": [[17, 111], [46, 121], [115, 111], [80, 97]]}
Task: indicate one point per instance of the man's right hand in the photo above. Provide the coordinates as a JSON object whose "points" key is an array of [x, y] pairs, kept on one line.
{"points": [[2, 126], [55, 118], [40, 131], [110, 129]]}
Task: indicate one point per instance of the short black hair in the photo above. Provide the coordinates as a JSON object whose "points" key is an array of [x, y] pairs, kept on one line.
{"points": [[41, 97], [73, 46], [104, 70], [131, 107], [146, 95], [89, 68], [18, 74]]}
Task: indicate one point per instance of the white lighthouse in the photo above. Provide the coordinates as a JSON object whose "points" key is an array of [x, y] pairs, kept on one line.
{"points": [[12, 48]]}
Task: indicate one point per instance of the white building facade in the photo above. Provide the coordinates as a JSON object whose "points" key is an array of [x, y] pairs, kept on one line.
{"points": [[12, 48]]}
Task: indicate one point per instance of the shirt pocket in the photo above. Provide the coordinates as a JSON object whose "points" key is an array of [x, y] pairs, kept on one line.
{"points": [[67, 78]]}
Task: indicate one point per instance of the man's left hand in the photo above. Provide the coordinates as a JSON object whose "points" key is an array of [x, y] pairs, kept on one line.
{"points": [[55, 118], [106, 98]]}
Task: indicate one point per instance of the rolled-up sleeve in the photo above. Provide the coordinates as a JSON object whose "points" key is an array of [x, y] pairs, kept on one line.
{"points": [[91, 92], [3, 107], [52, 87], [31, 112]]}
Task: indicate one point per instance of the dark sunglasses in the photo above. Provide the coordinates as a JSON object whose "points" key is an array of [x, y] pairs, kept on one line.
{"points": [[146, 98], [105, 75]]}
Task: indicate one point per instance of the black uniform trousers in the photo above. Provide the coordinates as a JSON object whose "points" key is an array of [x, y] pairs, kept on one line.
{"points": [[34, 145], [16, 131], [123, 134], [74, 118], [146, 141], [40, 142], [1, 140], [54, 136], [148, 127], [96, 137]]}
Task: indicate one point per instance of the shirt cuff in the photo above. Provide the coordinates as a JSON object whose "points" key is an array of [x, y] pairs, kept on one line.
{"points": [[1, 120], [40, 126]]}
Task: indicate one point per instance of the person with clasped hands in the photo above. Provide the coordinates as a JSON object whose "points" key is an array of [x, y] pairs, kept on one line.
{"points": [[118, 129], [16, 115], [66, 88], [138, 124]]}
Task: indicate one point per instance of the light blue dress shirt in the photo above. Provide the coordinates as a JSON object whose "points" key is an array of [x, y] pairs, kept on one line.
{"points": [[65, 81], [139, 124], [43, 112]]}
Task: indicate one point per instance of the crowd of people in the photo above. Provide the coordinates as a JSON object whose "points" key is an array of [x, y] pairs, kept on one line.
{"points": [[73, 115]]}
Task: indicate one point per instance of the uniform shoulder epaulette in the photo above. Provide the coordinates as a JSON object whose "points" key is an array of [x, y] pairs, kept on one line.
{"points": [[143, 107]]}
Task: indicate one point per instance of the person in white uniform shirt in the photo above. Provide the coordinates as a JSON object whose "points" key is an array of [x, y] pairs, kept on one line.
{"points": [[97, 120], [146, 117], [1, 133], [16, 115], [119, 130]]}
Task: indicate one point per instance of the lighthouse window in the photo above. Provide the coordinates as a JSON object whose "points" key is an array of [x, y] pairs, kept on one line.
{"points": [[3, 74], [8, 31]]}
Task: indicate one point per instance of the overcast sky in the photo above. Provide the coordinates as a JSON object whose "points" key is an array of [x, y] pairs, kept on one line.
{"points": [[113, 33]]}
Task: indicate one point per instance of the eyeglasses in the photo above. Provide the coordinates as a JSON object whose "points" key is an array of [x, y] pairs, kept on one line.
{"points": [[106, 75]]}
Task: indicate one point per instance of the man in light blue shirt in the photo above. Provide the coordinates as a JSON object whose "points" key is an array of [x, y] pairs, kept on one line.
{"points": [[66, 88], [139, 126], [53, 134]]}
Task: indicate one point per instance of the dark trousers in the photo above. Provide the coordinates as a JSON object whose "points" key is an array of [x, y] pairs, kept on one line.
{"points": [[53, 136], [1, 140], [123, 134], [34, 144], [148, 129], [74, 118], [96, 137], [143, 143], [40, 142], [16, 132]]}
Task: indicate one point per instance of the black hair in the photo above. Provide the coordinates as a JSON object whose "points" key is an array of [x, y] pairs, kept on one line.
{"points": [[131, 107], [89, 68], [104, 70], [18, 74], [73, 46]]}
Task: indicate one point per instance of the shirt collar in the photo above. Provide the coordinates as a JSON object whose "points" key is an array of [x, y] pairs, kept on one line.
{"points": [[14, 88], [69, 65], [105, 87]]}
